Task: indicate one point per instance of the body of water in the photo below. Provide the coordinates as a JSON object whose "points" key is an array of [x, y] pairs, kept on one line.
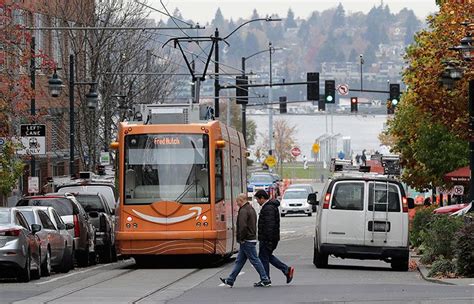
{"points": [[362, 129]]}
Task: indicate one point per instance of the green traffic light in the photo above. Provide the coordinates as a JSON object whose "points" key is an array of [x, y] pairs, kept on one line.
{"points": [[329, 98], [394, 102]]}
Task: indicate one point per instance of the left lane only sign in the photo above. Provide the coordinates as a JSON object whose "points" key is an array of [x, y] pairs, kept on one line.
{"points": [[33, 139]]}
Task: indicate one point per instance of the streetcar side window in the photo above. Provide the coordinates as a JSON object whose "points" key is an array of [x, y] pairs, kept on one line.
{"points": [[219, 177]]}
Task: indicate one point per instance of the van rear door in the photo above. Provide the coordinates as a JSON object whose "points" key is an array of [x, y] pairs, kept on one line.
{"points": [[384, 226], [345, 216]]}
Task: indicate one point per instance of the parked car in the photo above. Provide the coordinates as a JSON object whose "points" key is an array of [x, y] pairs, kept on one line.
{"points": [[450, 209], [295, 201], [265, 181], [103, 220], [362, 216], [108, 190], [56, 253], [71, 212], [308, 188], [19, 246]]}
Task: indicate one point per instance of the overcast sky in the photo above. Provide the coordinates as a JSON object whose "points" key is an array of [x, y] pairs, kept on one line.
{"points": [[203, 11]]}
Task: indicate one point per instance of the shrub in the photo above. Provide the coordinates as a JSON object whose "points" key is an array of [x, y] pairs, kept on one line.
{"points": [[464, 250], [440, 236], [442, 267], [421, 220]]}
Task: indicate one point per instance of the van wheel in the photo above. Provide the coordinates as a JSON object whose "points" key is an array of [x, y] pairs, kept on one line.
{"points": [[400, 264], [320, 260]]}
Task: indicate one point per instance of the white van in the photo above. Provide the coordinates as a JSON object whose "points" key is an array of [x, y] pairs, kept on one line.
{"points": [[347, 226]]}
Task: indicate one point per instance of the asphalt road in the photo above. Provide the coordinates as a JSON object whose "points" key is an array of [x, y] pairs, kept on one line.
{"points": [[346, 281]]}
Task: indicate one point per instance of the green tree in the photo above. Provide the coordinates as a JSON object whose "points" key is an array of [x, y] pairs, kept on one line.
{"points": [[339, 17], [11, 168], [290, 20]]}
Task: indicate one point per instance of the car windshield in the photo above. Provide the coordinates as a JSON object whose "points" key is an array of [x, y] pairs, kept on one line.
{"points": [[262, 178], [295, 195], [5, 217], [166, 167], [62, 205], [29, 215], [91, 203]]}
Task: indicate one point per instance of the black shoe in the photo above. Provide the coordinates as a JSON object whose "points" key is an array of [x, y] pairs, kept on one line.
{"points": [[227, 282], [263, 284], [289, 275]]}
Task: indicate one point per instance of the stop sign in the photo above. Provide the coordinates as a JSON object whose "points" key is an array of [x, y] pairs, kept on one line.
{"points": [[295, 151]]}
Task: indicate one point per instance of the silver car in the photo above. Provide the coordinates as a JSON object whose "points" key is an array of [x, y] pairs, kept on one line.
{"points": [[19, 246], [295, 201], [55, 251]]}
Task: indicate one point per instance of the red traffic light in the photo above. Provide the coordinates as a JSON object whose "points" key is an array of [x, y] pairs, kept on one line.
{"points": [[354, 100]]}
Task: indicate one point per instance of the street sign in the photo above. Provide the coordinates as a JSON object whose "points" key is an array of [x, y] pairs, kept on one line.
{"points": [[33, 139], [270, 161], [315, 148], [104, 158], [295, 151], [33, 184], [343, 89], [458, 190]]}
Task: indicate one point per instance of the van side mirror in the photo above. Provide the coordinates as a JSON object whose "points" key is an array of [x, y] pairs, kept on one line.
{"points": [[411, 203], [35, 228], [61, 226], [312, 200]]}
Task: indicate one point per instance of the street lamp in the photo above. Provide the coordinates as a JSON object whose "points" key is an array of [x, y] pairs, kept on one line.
{"points": [[466, 50], [55, 86], [244, 105], [216, 59]]}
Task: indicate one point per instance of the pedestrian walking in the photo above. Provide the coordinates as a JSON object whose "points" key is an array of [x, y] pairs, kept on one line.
{"points": [[269, 234], [247, 238]]}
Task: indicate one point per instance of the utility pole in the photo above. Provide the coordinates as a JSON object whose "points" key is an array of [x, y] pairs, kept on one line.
{"points": [[216, 77], [471, 140], [244, 107], [361, 63], [33, 96], [270, 100], [148, 77]]}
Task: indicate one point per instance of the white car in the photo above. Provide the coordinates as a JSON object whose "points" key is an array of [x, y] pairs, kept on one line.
{"points": [[348, 225], [295, 201]]}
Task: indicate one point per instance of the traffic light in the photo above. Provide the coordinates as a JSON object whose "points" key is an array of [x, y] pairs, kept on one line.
{"points": [[241, 91], [390, 109], [283, 109], [321, 105], [394, 94], [354, 104], [312, 89], [330, 91]]}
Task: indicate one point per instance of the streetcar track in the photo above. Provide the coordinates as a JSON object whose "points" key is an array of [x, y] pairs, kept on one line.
{"points": [[90, 285], [167, 285]]}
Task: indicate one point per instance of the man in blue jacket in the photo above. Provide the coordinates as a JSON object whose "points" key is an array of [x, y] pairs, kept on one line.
{"points": [[269, 234]]}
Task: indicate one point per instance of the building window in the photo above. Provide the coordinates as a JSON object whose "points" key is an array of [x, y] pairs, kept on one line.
{"points": [[56, 37]]}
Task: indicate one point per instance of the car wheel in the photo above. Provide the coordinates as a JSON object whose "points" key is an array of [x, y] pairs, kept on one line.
{"points": [[310, 214], [46, 265], [66, 261], [400, 264], [25, 274], [105, 255], [82, 258], [92, 258], [320, 260]]}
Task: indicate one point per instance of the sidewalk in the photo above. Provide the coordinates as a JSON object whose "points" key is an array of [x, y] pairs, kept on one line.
{"points": [[424, 270]]}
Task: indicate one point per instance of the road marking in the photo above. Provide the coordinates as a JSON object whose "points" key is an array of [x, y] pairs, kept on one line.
{"points": [[471, 284], [71, 274]]}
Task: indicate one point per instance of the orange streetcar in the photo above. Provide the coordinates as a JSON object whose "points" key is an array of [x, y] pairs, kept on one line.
{"points": [[177, 182]]}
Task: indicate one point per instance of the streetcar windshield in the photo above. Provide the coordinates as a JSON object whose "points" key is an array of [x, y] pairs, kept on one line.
{"points": [[166, 167]]}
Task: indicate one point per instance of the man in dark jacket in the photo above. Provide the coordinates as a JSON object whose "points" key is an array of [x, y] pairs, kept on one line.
{"points": [[269, 234], [247, 238]]}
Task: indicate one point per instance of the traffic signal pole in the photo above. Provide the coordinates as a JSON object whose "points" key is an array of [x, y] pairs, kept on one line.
{"points": [[244, 107], [270, 98]]}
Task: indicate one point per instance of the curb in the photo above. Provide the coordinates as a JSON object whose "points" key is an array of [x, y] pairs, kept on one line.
{"points": [[425, 277]]}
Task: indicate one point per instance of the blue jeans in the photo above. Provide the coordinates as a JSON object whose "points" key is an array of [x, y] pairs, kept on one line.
{"points": [[248, 251], [266, 256]]}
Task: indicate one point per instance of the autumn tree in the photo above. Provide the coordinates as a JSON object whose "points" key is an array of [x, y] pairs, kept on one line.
{"points": [[236, 120], [430, 128]]}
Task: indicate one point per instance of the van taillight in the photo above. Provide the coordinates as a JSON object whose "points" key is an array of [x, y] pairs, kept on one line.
{"points": [[327, 198], [404, 204], [10, 232], [77, 228]]}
